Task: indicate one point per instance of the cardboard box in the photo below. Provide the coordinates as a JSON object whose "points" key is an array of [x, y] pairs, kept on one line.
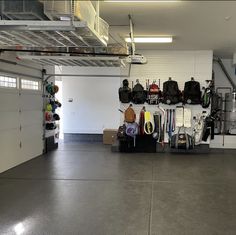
{"points": [[109, 136]]}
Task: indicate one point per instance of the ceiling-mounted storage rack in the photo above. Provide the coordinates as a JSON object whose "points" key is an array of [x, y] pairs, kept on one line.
{"points": [[49, 33], [98, 61]]}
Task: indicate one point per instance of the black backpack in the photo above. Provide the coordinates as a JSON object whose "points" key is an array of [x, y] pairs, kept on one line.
{"points": [[125, 92], [192, 92], [171, 92], [121, 134], [139, 95]]}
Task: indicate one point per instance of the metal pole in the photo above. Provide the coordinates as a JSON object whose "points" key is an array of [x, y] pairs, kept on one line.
{"points": [[132, 35], [20, 74], [85, 75], [15, 63], [88, 75], [97, 28], [65, 52]]}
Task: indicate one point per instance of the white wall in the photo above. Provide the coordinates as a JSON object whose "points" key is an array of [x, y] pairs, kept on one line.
{"points": [[91, 112], [180, 65], [95, 100]]}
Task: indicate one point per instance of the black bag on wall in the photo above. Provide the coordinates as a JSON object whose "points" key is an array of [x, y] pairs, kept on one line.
{"points": [[125, 92], [192, 92], [139, 95], [171, 92]]}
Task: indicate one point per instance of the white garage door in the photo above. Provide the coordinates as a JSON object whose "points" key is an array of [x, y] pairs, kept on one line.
{"points": [[21, 120]]}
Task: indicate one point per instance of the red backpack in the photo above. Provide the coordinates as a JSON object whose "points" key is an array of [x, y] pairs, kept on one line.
{"points": [[153, 94]]}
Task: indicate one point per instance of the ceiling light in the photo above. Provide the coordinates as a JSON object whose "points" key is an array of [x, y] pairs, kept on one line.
{"points": [[140, 1], [151, 39]]}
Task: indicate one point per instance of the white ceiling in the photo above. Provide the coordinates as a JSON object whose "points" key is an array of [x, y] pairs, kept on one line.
{"points": [[195, 25]]}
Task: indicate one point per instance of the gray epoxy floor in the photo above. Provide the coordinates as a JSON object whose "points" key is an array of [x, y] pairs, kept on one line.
{"points": [[83, 188]]}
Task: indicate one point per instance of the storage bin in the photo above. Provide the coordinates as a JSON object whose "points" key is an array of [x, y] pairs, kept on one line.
{"points": [[109, 136], [84, 11], [103, 29], [80, 10], [54, 10], [22, 10]]}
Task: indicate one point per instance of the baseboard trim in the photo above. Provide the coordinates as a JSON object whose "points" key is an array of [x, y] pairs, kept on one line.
{"points": [[83, 137]]}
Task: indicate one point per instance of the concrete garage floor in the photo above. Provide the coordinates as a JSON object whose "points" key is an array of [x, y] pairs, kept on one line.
{"points": [[83, 188]]}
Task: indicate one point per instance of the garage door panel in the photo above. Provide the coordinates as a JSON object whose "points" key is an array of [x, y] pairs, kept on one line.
{"points": [[32, 141], [31, 131], [31, 149], [31, 105], [31, 102], [29, 118], [9, 101], [10, 149], [9, 120], [21, 120]]}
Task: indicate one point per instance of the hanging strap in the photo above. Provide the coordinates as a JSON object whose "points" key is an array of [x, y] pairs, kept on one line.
{"points": [[159, 127], [173, 121], [170, 124], [167, 120]]}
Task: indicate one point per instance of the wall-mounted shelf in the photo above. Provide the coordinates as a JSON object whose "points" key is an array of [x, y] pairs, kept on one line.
{"points": [[49, 34], [83, 61]]}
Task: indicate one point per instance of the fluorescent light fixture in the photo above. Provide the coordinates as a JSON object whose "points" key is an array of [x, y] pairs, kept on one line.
{"points": [[140, 1], [151, 39]]}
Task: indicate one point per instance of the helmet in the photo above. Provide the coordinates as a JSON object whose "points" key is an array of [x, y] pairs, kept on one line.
{"points": [[49, 88], [55, 89], [48, 116], [56, 117], [49, 107]]}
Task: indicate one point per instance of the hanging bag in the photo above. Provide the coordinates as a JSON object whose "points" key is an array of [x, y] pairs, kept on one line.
{"points": [[125, 92], [138, 94], [121, 134], [192, 92], [129, 115], [206, 98], [153, 94], [132, 130], [142, 121], [182, 140], [148, 125], [171, 92]]}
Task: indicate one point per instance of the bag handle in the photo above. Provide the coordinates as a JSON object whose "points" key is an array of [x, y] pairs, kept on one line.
{"points": [[177, 138]]}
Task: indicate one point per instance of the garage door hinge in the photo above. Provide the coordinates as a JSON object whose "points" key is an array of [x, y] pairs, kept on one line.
{"points": [[19, 110], [20, 128], [20, 145]]}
